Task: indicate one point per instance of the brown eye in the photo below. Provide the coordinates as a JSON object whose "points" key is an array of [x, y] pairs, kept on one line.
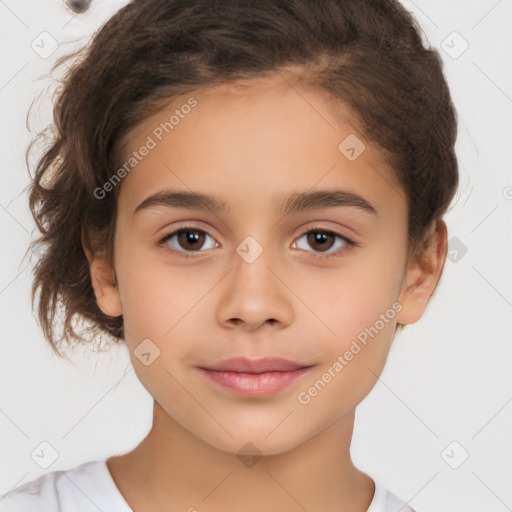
{"points": [[320, 240], [188, 239], [323, 240]]}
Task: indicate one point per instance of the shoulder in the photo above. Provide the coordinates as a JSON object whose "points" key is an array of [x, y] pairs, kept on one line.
{"points": [[386, 501], [58, 491], [39, 493]]}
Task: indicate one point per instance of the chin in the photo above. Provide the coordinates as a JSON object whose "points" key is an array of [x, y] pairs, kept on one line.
{"points": [[255, 442]]}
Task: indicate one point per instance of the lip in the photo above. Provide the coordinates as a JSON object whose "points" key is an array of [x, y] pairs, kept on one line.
{"points": [[265, 364], [255, 377]]}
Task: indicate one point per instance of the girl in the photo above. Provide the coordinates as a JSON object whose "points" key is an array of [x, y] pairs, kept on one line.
{"points": [[250, 196]]}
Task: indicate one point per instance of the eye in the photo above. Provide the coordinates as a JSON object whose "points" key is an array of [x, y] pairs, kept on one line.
{"points": [[188, 237], [319, 238]]}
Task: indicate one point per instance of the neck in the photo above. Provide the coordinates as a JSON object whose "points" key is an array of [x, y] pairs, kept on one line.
{"points": [[171, 465]]}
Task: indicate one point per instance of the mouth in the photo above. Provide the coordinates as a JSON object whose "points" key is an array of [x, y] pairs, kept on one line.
{"points": [[255, 377], [265, 364]]}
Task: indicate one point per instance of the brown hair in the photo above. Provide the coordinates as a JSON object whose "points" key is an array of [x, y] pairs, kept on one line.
{"points": [[369, 55]]}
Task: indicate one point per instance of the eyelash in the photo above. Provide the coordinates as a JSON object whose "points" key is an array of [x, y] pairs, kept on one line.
{"points": [[350, 244]]}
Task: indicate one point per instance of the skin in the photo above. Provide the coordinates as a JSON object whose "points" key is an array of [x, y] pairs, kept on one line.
{"points": [[244, 143]]}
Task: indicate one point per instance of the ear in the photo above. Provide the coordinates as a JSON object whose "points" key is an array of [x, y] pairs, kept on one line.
{"points": [[103, 280], [422, 275], [105, 288]]}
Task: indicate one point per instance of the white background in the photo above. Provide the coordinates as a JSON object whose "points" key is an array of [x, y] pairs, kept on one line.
{"points": [[448, 377]]}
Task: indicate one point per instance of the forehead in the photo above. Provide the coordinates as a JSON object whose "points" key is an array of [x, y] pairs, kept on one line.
{"points": [[249, 138]]}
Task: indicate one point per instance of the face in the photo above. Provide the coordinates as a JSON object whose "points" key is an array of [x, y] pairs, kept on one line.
{"points": [[199, 284]]}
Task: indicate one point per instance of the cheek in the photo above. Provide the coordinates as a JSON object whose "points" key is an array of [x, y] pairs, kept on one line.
{"points": [[156, 295], [357, 307], [362, 322], [354, 298]]}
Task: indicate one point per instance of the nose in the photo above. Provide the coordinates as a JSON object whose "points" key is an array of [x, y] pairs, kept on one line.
{"points": [[255, 295]]}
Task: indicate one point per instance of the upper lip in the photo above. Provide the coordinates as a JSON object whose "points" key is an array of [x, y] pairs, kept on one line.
{"points": [[266, 364]]}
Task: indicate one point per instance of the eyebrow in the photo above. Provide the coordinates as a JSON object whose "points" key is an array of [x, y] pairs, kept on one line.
{"points": [[294, 203]]}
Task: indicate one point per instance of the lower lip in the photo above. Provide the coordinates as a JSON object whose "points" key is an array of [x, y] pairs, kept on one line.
{"points": [[255, 384]]}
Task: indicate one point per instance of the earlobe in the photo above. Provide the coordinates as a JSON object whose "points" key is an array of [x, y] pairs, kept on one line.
{"points": [[422, 277], [105, 288]]}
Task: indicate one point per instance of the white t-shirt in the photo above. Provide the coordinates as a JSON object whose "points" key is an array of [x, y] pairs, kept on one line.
{"points": [[91, 488]]}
